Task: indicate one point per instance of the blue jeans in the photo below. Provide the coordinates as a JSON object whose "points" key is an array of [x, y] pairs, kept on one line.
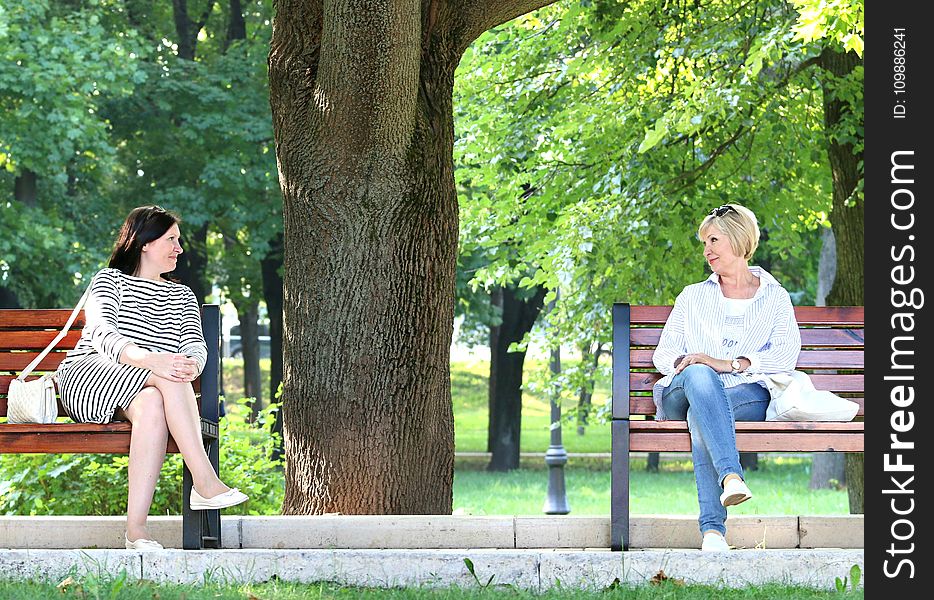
{"points": [[697, 394]]}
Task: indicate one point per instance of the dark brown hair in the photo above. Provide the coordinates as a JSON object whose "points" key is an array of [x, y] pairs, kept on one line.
{"points": [[143, 225]]}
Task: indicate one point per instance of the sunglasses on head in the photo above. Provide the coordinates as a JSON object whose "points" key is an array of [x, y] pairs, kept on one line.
{"points": [[722, 210]]}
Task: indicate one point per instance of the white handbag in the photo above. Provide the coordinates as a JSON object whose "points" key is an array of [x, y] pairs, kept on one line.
{"points": [[794, 398], [34, 401]]}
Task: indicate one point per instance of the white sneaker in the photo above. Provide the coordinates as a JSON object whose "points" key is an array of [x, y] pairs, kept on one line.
{"points": [[714, 542], [735, 492]]}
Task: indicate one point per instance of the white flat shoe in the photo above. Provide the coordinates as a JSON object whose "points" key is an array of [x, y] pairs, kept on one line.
{"points": [[714, 542], [141, 544], [231, 497], [735, 492]]}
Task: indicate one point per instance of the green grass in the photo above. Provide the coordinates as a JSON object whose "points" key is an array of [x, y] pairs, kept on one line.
{"points": [[469, 380], [780, 487], [469, 395], [120, 588]]}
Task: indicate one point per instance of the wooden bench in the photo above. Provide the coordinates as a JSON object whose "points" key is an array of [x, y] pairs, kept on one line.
{"points": [[831, 351], [25, 333]]}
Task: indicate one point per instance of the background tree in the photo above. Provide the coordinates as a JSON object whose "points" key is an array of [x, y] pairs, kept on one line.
{"points": [[836, 29], [60, 64]]}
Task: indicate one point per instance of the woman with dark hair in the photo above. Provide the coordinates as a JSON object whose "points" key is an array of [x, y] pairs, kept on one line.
{"points": [[140, 349]]}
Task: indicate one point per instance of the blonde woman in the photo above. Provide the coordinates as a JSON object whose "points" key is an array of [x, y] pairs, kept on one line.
{"points": [[721, 335]]}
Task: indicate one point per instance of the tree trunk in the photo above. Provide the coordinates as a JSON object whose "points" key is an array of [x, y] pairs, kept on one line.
{"points": [[26, 189], [361, 98], [187, 28], [272, 293], [248, 312], [505, 391], [828, 471], [826, 266], [847, 223], [585, 399], [236, 24], [8, 299], [652, 460], [193, 262]]}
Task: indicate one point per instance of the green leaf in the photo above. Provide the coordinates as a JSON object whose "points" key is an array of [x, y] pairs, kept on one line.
{"points": [[654, 136]]}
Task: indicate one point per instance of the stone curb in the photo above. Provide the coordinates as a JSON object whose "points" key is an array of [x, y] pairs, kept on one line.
{"points": [[440, 532], [527, 569]]}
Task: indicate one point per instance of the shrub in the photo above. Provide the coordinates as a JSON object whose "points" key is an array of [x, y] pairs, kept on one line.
{"points": [[96, 484]]}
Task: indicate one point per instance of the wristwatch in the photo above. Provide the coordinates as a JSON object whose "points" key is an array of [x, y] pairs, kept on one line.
{"points": [[735, 365]]}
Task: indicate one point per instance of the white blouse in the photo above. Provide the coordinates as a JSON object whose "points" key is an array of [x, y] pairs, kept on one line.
{"points": [[764, 331]]}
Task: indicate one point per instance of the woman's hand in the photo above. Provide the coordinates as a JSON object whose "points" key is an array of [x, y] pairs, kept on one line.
{"points": [[699, 358], [174, 367]]}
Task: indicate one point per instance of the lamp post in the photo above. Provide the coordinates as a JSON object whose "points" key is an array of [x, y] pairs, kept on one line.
{"points": [[556, 499]]}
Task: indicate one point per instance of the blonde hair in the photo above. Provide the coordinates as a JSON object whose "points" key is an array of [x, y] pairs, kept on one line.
{"points": [[738, 224]]}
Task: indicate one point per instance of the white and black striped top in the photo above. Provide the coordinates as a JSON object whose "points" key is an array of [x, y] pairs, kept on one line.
{"points": [[159, 316], [769, 332]]}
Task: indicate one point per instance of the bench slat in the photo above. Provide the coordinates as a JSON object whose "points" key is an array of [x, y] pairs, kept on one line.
{"points": [[754, 442], [644, 405], [17, 361], [113, 438], [643, 382], [37, 340], [822, 337], [757, 426], [805, 315], [32, 319], [807, 359]]}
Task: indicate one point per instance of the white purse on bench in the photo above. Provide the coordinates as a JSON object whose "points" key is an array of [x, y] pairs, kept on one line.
{"points": [[795, 399], [34, 401]]}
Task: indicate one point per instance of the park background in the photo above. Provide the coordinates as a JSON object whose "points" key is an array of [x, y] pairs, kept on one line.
{"points": [[590, 138]]}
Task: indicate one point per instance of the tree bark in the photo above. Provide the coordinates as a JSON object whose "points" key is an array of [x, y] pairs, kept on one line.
{"points": [[505, 392], [272, 293], [361, 98], [847, 222]]}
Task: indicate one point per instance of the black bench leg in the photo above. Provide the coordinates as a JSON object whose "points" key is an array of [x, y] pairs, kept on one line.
{"points": [[211, 519], [191, 519], [619, 485], [200, 528]]}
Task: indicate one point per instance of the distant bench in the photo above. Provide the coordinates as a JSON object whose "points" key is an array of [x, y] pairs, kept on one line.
{"points": [[25, 333], [831, 351]]}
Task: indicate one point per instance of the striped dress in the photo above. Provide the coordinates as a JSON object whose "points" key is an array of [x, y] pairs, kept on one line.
{"points": [[699, 322], [120, 310]]}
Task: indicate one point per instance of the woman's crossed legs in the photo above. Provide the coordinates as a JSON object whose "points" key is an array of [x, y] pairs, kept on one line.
{"points": [[698, 394], [161, 408]]}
